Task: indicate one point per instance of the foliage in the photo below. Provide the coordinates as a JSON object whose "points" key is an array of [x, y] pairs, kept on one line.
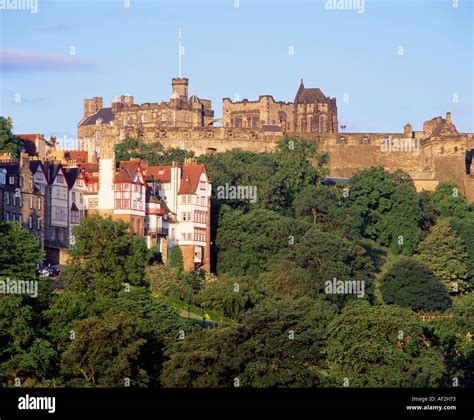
{"points": [[106, 255], [154, 153], [411, 284], [445, 254], [176, 258], [383, 346], [9, 143]]}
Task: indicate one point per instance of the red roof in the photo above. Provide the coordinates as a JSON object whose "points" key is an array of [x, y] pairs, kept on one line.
{"points": [[127, 170], [190, 178], [80, 156], [158, 173]]}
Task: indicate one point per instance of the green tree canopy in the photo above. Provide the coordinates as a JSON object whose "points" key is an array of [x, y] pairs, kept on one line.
{"points": [[445, 254], [411, 284], [106, 255], [384, 346], [9, 143]]}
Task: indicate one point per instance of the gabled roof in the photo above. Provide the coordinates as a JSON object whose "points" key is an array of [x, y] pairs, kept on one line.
{"points": [[105, 114], [127, 171], [72, 173], [190, 178], [310, 95], [52, 170], [158, 173], [34, 164]]}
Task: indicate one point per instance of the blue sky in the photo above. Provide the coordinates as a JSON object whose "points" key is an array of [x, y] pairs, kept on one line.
{"points": [[242, 50]]}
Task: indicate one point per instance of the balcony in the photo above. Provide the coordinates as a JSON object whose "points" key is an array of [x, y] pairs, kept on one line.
{"points": [[156, 231]]}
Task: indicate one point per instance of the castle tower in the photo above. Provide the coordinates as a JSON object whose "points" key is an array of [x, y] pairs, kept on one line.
{"points": [[180, 87]]}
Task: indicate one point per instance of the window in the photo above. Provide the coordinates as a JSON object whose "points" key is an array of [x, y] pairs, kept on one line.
{"points": [[118, 203], [202, 185], [30, 222], [145, 118], [60, 179], [7, 216], [31, 202], [73, 197], [58, 214], [183, 199], [81, 198], [75, 217], [190, 236], [126, 204], [14, 199], [2, 177], [183, 236], [20, 218], [64, 216], [7, 198], [38, 223], [11, 180], [189, 199], [39, 203], [190, 218], [13, 217]]}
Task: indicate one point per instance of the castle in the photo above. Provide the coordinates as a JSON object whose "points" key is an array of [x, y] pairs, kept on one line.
{"points": [[436, 153]]}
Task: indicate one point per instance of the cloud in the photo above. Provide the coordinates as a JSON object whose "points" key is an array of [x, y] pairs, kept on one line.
{"points": [[30, 61]]}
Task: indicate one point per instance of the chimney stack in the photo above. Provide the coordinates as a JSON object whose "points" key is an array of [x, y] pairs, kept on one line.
{"points": [[448, 118]]}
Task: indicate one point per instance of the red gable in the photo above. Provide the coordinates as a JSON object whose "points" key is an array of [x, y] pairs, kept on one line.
{"points": [[190, 178]]}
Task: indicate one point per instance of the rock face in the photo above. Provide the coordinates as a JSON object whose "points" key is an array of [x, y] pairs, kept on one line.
{"points": [[437, 153]]}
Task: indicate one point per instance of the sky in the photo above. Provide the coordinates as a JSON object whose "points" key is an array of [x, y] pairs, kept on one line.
{"points": [[387, 63]]}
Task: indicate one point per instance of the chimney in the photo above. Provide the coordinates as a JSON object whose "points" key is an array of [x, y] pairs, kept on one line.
{"points": [[24, 160], [448, 118]]}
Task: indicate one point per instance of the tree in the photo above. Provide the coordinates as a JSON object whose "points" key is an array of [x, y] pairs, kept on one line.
{"points": [[464, 228], [176, 258], [20, 252], [274, 346], [327, 208], [106, 255], [9, 143], [161, 278], [384, 346], [104, 352], [411, 284], [154, 153], [455, 335], [392, 210], [445, 254], [232, 296], [448, 201]]}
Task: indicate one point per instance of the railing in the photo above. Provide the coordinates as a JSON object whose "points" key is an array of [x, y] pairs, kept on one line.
{"points": [[156, 231]]}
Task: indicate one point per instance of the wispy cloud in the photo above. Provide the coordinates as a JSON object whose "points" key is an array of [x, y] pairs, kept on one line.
{"points": [[28, 61]]}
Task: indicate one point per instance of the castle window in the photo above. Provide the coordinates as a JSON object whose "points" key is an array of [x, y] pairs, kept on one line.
{"points": [[164, 117], [145, 118]]}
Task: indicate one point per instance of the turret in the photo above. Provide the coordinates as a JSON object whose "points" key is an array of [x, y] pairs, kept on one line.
{"points": [[180, 87]]}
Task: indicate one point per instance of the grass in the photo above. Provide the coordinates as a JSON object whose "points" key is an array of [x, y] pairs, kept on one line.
{"points": [[195, 312]]}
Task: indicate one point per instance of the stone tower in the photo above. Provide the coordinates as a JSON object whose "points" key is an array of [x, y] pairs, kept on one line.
{"points": [[180, 87]]}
